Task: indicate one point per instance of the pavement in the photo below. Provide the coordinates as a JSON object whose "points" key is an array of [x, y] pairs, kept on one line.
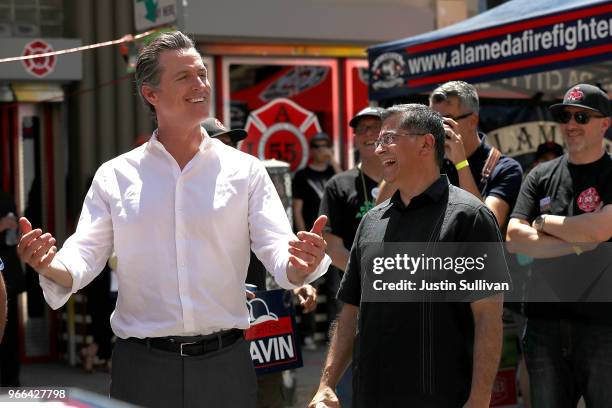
{"points": [[60, 374]]}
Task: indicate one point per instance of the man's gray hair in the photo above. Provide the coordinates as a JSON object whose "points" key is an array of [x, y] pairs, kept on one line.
{"points": [[466, 93], [148, 70], [417, 118]]}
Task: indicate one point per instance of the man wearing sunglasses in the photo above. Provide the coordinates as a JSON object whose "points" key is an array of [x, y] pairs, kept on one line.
{"points": [[565, 208], [471, 163]]}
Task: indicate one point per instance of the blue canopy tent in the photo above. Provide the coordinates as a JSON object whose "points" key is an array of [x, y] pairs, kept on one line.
{"points": [[516, 38]]}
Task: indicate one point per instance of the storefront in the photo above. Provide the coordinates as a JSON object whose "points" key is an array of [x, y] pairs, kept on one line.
{"points": [[33, 157], [286, 71]]}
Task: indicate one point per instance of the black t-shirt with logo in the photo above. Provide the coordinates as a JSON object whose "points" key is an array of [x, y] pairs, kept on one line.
{"points": [[416, 354], [309, 186], [559, 187], [345, 202]]}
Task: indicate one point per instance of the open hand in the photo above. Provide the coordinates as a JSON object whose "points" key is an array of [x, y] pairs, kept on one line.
{"points": [[35, 248]]}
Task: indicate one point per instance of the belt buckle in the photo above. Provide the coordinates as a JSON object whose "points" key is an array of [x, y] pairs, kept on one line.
{"points": [[186, 344]]}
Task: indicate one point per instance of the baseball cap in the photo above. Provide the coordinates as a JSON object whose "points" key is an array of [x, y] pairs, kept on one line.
{"points": [[584, 96], [369, 111], [215, 128], [320, 137]]}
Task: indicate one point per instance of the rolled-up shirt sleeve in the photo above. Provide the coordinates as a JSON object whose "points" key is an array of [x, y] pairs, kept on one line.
{"points": [[270, 231], [86, 252]]}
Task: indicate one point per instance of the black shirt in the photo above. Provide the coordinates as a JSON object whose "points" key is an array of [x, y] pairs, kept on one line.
{"points": [[559, 187], [504, 182], [309, 185], [345, 202], [415, 354]]}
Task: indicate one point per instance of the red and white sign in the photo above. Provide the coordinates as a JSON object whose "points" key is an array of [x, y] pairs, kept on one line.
{"points": [[42, 66], [281, 130]]}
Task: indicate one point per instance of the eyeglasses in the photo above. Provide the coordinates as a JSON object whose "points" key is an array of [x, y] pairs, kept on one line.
{"points": [[319, 146], [363, 129], [389, 137], [581, 117], [458, 118]]}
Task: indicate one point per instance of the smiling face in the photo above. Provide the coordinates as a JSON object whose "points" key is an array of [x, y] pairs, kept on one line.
{"points": [[183, 94], [403, 158], [587, 139], [366, 133]]}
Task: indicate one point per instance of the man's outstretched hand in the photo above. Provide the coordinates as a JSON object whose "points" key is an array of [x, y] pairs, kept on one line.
{"points": [[307, 252], [35, 248]]}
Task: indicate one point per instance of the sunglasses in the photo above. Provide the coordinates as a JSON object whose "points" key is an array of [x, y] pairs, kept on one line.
{"points": [[581, 117], [458, 118], [320, 146]]}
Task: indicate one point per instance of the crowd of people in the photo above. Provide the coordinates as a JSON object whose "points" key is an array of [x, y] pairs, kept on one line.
{"points": [[189, 216]]}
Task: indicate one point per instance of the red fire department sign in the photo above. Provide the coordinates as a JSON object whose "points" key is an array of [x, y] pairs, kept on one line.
{"points": [[42, 66], [281, 130]]}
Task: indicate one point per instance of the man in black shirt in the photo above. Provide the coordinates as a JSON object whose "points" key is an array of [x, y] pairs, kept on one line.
{"points": [[471, 163], [467, 152], [416, 354], [309, 182], [565, 208], [350, 194], [348, 197], [308, 187]]}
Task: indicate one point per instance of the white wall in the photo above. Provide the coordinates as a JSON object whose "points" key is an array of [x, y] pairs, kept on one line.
{"points": [[356, 21]]}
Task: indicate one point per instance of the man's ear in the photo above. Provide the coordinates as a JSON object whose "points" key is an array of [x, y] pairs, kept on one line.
{"points": [[474, 119], [149, 94], [606, 124], [428, 144]]}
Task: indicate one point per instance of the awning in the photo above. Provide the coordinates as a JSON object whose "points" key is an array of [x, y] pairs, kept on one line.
{"points": [[516, 38]]}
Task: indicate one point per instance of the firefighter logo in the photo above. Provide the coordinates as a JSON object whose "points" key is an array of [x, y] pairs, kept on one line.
{"points": [[387, 71], [42, 66], [575, 95], [589, 200], [281, 130]]}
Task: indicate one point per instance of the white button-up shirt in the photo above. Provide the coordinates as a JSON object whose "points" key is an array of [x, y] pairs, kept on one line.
{"points": [[182, 239]]}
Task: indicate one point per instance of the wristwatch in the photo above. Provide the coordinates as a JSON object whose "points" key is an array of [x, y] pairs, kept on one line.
{"points": [[538, 223]]}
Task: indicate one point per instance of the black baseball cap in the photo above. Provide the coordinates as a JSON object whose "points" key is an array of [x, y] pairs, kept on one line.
{"points": [[320, 137], [369, 111], [215, 128], [584, 96]]}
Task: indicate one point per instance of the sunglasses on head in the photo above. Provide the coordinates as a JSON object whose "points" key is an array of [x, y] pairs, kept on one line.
{"points": [[581, 117]]}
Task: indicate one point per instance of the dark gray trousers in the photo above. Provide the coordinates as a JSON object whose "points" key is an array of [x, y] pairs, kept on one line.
{"points": [[154, 378]]}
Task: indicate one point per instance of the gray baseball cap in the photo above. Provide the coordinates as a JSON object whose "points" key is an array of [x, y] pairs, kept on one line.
{"points": [[369, 111]]}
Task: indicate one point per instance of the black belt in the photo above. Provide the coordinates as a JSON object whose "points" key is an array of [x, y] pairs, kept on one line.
{"points": [[192, 346]]}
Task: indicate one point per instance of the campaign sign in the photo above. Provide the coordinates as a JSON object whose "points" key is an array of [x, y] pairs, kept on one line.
{"points": [[273, 338]]}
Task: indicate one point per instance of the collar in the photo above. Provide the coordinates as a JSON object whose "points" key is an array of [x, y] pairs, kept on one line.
{"points": [[154, 142], [434, 193], [482, 151]]}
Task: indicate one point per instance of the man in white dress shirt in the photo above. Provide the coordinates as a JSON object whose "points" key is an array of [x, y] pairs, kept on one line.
{"points": [[182, 212]]}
